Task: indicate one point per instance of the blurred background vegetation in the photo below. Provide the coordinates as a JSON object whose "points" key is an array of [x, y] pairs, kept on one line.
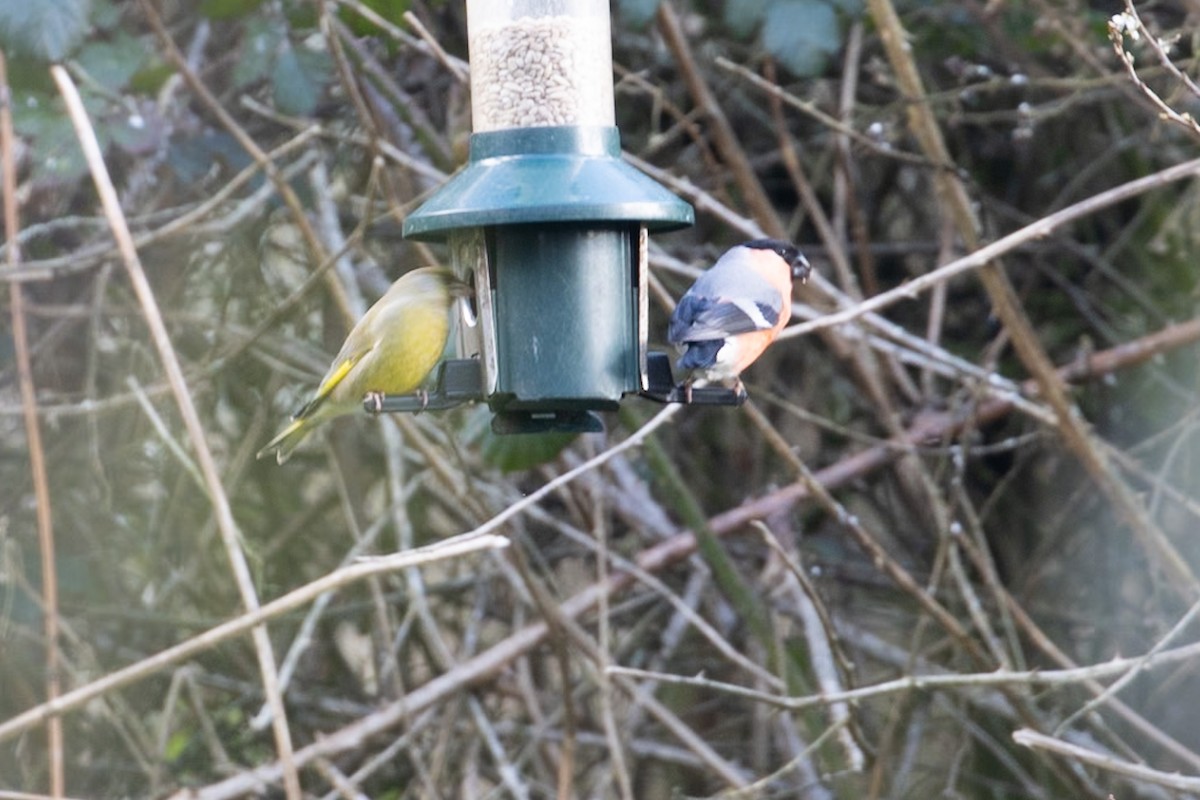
{"points": [[991, 517]]}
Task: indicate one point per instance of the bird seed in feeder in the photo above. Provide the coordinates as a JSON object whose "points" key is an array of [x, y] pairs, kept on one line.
{"points": [[539, 71]]}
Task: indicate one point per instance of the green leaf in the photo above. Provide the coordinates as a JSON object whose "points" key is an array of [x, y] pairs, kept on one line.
{"points": [[801, 35], [176, 744], [298, 78], [112, 64], [851, 8], [47, 30], [193, 158], [637, 13], [106, 15], [390, 10], [257, 53], [228, 9], [743, 16], [137, 134], [301, 15], [30, 80], [151, 77], [41, 119], [524, 451], [749, 603]]}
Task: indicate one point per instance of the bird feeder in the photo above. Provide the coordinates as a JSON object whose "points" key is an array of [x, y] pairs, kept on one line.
{"points": [[549, 219]]}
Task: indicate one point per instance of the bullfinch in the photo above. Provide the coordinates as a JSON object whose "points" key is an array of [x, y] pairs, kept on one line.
{"points": [[736, 309], [391, 350]]}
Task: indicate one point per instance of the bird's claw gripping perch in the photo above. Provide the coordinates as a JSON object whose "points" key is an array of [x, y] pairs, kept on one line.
{"points": [[458, 381]]}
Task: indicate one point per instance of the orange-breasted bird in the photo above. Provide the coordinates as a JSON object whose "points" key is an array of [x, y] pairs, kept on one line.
{"points": [[736, 309], [391, 350]]}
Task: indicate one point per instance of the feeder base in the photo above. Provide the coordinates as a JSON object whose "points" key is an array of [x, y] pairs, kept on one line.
{"points": [[508, 422]]}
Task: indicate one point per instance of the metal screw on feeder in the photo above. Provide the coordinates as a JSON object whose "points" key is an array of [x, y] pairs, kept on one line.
{"points": [[550, 221]]}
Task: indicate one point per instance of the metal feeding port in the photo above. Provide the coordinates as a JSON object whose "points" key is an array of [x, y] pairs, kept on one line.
{"points": [[661, 387], [458, 382]]}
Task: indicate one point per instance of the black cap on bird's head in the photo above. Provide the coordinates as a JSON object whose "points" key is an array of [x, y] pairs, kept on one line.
{"points": [[801, 269]]}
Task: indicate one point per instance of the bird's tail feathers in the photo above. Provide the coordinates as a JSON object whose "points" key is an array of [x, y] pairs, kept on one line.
{"points": [[701, 355], [285, 443]]}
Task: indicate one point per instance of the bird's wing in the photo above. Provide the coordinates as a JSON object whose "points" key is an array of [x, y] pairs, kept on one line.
{"points": [[700, 318], [337, 373]]}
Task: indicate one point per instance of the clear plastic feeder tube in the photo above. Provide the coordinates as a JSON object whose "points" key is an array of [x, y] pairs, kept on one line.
{"points": [[538, 63]]}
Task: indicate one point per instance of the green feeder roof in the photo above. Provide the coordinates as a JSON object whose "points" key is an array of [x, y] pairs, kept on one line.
{"points": [[548, 174]]}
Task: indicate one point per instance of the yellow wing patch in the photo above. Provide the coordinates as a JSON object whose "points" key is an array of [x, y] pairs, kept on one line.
{"points": [[337, 373]]}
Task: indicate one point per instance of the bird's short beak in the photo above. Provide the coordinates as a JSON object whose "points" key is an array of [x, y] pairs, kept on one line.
{"points": [[801, 269], [460, 289]]}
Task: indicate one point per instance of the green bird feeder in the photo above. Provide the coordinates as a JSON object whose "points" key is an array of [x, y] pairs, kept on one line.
{"points": [[549, 220]]}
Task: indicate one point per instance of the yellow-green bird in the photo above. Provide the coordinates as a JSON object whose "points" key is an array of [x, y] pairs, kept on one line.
{"points": [[391, 350]]}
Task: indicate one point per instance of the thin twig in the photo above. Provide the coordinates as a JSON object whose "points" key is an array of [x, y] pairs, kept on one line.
{"points": [[456, 65], [1005, 244], [827, 659], [811, 109], [289, 196], [600, 529], [492, 661], [1043, 643], [975, 680], [952, 193], [222, 511], [1142, 664], [1039, 741], [1131, 25], [297, 598], [37, 455], [453, 65], [724, 138]]}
